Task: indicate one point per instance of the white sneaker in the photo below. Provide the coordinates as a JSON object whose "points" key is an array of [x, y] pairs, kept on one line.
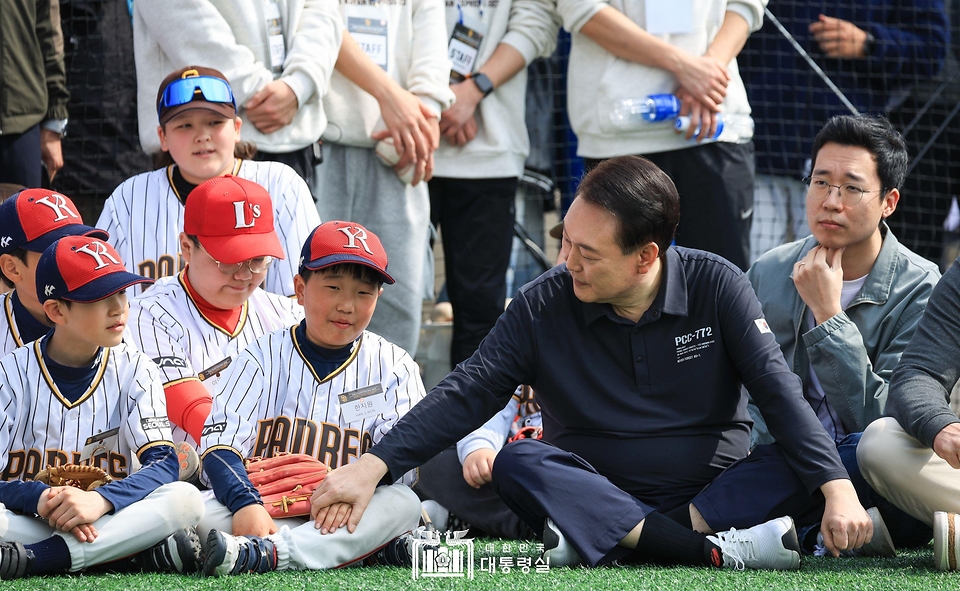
{"points": [[769, 546], [946, 540], [556, 550]]}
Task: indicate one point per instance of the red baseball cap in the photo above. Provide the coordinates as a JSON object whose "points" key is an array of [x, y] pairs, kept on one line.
{"points": [[336, 243], [233, 220], [82, 269], [34, 219]]}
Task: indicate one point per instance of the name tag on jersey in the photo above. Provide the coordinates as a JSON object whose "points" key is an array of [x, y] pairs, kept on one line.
{"points": [[363, 403], [214, 370], [368, 26], [463, 48], [100, 443]]}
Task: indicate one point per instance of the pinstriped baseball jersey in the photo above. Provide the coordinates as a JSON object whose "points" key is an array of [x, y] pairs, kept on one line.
{"points": [[144, 216], [271, 400], [169, 328], [10, 337], [39, 426]]}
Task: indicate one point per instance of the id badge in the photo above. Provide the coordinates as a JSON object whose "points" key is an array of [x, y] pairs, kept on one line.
{"points": [[368, 26], [278, 50], [362, 404], [463, 50], [100, 444]]}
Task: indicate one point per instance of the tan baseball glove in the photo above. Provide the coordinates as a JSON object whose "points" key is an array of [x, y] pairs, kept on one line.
{"points": [[286, 481], [76, 475]]}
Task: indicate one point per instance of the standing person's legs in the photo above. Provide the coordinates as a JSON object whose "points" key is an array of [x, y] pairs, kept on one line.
{"points": [[20, 158], [475, 217], [716, 186], [353, 185]]}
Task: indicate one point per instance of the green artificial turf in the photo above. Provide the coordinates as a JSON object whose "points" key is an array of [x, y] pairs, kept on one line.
{"points": [[910, 570]]}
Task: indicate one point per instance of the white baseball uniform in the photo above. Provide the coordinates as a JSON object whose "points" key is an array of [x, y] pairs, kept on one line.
{"points": [[121, 415], [11, 338], [166, 324], [271, 401], [144, 217]]}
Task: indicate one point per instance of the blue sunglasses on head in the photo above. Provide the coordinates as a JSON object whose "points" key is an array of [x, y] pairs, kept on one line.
{"points": [[183, 91]]}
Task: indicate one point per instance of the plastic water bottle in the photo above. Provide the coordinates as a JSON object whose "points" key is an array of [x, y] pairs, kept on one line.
{"points": [[736, 129], [634, 113]]}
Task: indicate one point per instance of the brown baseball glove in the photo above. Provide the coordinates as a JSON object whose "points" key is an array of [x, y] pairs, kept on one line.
{"points": [[76, 475], [286, 481]]}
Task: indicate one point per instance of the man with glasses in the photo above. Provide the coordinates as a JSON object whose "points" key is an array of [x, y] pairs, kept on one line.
{"points": [[195, 323], [844, 302]]}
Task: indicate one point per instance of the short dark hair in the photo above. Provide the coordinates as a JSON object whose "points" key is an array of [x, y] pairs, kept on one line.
{"points": [[874, 134], [359, 272], [640, 196], [19, 253]]}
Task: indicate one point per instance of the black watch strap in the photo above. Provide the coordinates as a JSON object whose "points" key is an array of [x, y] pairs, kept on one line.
{"points": [[483, 83]]}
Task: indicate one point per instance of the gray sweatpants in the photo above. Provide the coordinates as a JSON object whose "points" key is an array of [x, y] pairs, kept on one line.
{"points": [[353, 185]]}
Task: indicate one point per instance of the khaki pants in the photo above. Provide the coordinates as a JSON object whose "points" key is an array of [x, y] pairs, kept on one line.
{"points": [[906, 472]]}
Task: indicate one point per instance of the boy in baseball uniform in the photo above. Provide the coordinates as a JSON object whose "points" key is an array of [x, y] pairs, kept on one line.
{"points": [[30, 221], [80, 395], [324, 387], [193, 325], [200, 136]]}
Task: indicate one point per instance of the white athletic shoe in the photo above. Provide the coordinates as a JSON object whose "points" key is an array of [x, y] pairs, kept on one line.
{"points": [[556, 550], [881, 544], [946, 540], [769, 546]]}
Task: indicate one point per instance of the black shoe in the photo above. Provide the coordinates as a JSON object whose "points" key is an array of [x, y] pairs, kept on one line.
{"points": [[234, 555], [178, 553], [399, 551], [15, 560]]}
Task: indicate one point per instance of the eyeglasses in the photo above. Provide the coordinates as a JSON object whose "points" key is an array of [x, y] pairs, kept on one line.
{"points": [[850, 194], [182, 91], [255, 265]]}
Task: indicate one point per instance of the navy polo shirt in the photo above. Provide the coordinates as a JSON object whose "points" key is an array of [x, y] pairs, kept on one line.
{"points": [[656, 406]]}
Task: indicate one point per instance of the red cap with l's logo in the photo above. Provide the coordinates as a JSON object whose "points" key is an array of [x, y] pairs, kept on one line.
{"points": [[233, 219]]}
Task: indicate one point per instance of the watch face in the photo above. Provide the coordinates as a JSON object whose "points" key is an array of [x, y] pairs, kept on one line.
{"points": [[483, 83]]}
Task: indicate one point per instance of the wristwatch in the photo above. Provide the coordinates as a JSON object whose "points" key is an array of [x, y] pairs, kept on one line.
{"points": [[483, 83]]}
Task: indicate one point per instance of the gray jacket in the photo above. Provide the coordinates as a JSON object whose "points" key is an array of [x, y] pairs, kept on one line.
{"points": [[855, 352]]}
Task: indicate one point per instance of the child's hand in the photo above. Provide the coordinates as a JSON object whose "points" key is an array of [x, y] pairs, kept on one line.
{"points": [[253, 520], [66, 508], [478, 467]]}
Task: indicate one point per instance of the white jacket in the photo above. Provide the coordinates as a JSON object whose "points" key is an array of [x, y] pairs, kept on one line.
{"points": [[596, 78], [502, 143], [416, 59], [231, 36]]}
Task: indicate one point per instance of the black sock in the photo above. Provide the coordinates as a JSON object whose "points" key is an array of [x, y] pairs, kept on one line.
{"points": [[667, 542], [681, 515], [52, 556]]}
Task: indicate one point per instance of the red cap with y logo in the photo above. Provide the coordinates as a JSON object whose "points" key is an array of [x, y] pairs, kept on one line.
{"points": [[34, 219], [82, 269], [233, 220], [337, 243]]}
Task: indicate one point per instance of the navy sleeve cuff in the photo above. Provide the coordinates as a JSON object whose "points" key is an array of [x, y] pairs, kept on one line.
{"points": [[229, 479], [21, 497], [159, 466]]}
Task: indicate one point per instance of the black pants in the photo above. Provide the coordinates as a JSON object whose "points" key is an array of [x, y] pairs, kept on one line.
{"points": [[538, 480], [20, 158], [475, 217], [715, 182], [441, 479]]}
